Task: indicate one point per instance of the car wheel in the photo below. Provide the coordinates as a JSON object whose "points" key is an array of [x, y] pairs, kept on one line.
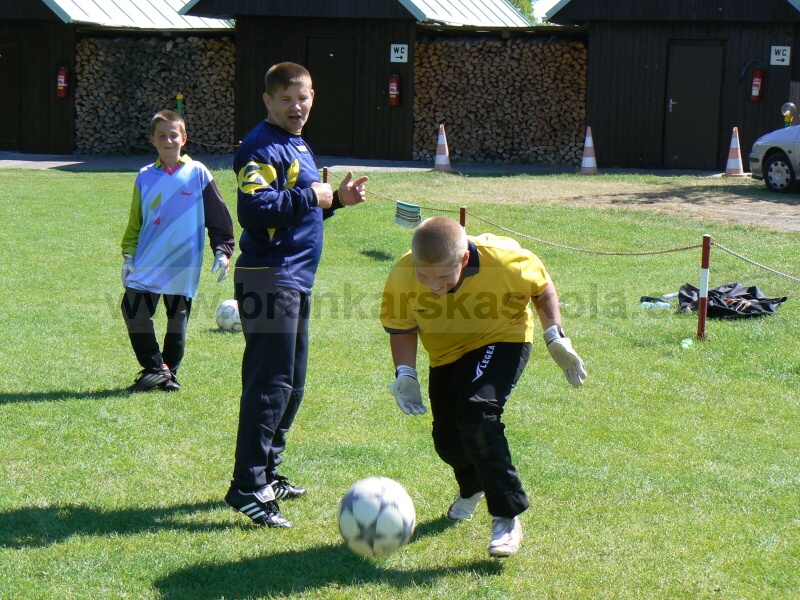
{"points": [[778, 173]]}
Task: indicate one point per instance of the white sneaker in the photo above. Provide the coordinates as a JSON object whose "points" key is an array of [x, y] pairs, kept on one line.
{"points": [[506, 536], [462, 509]]}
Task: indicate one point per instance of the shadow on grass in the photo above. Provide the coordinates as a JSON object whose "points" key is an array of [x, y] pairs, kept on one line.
{"points": [[284, 574], [44, 526], [378, 255], [11, 397]]}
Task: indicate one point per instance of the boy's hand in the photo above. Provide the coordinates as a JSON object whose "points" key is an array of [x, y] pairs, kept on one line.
{"points": [[221, 264], [324, 194], [405, 390], [127, 267], [560, 348], [352, 192]]}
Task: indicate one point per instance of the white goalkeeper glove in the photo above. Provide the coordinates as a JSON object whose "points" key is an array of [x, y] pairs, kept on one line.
{"points": [[127, 267], [561, 350], [405, 390], [221, 264]]}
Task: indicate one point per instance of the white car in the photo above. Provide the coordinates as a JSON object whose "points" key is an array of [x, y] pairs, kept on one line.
{"points": [[774, 158]]}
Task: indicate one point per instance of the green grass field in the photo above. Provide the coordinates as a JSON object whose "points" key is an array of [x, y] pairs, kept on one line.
{"points": [[673, 473]]}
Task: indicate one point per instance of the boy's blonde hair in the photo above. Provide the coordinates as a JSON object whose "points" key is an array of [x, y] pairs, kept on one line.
{"points": [[167, 116], [284, 75], [439, 241]]}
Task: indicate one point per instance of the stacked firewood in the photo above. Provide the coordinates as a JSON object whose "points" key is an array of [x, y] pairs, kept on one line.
{"points": [[502, 101], [122, 82]]}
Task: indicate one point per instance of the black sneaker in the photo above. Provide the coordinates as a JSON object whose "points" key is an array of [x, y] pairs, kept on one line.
{"points": [[147, 379], [260, 506], [172, 385], [284, 489]]}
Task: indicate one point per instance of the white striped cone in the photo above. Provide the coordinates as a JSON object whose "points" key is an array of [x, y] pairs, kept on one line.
{"points": [[442, 154], [588, 162], [734, 167]]}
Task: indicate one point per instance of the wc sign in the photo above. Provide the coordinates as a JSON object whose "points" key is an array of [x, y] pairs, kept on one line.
{"points": [[780, 55], [399, 53]]}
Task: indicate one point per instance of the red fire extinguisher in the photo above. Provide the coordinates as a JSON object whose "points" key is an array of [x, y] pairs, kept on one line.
{"points": [[394, 89], [755, 87], [62, 82]]}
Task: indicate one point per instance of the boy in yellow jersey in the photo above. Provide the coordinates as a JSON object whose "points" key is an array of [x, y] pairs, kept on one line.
{"points": [[468, 300]]}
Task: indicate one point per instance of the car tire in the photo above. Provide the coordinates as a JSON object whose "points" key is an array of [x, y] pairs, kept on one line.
{"points": [[778, 173]]}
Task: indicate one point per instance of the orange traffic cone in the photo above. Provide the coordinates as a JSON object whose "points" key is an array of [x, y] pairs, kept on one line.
{"points": [[588, 162], [442, 154], [734, 166]]}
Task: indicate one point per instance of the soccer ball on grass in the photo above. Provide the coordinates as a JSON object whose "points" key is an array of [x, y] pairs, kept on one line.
{"points": [[227, 316], [376, 516]]}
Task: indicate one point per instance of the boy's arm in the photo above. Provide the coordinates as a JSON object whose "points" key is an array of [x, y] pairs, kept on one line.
{"points": [[559, 346], [405, 387], [404, 349], [130, 239], [218, 221], [262, 200]]}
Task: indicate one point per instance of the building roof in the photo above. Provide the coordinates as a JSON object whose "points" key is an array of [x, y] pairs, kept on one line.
{"points": [[582, 11], [481, 13], [160, 15], [463, 13]]}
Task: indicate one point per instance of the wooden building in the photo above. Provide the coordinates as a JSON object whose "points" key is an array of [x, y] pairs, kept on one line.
{"points": [[668, 81], [34, 43], [38, 38], [351, 48]]}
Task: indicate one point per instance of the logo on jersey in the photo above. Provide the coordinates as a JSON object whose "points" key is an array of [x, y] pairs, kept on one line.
{"points": [[479, 368]]}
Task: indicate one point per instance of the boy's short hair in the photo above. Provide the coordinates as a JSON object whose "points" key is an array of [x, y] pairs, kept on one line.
{"points": [[284, 75], [439, 241], [167, 116]]}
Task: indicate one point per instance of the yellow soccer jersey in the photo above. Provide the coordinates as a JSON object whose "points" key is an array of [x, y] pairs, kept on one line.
{"points": [[491, 303]]}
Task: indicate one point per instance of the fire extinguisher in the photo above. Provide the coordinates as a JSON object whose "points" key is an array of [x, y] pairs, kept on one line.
{"points": [[756, 85], [394, 89], [757, 82], [62, 82]]}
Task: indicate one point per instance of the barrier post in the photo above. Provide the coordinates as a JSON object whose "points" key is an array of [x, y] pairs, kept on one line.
{"points": [[462, 217], [702, 307]]}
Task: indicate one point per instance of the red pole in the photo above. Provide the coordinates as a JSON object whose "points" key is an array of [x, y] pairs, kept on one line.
{"points": [[463, 217], [702, 308], [324, 174]]}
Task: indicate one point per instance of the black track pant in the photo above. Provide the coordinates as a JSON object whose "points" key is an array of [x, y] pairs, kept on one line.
{"points": [[275, 327], [467, 399], [138, 309]]}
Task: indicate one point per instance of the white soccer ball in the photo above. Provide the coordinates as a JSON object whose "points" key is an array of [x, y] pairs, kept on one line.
{"points": [[376, 516], [227, 316]]}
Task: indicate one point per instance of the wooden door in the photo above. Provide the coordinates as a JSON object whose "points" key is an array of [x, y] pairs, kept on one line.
{"points": [[331, 62], [11, 95], [694, 96]]}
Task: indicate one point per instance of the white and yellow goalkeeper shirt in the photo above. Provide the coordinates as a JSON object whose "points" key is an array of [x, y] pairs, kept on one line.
{"points": [[491, 303]]}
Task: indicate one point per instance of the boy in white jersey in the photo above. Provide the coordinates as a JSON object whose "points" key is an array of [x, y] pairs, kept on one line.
{"points": [[175, 200], [468, 300]]}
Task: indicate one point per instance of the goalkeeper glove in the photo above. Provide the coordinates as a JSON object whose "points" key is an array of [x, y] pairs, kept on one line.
{"points": [[405, 390], [221, 264], [127, 267], [560, 348]]}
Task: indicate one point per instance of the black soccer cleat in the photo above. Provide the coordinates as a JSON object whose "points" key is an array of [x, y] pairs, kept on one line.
{"points": [[285, 490], [260, 506], [172, 385], [147, 379]]}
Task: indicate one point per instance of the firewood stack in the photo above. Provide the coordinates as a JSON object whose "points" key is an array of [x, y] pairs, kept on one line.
{"points": [[502, 101], [123, 82]]}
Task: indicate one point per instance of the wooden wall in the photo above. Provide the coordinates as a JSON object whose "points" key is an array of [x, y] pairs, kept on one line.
{"points": [[379, 131], [46, 122], [627, 79]]}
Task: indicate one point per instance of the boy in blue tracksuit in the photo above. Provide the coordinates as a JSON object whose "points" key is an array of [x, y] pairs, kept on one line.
{"points": [[281, 206]]}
